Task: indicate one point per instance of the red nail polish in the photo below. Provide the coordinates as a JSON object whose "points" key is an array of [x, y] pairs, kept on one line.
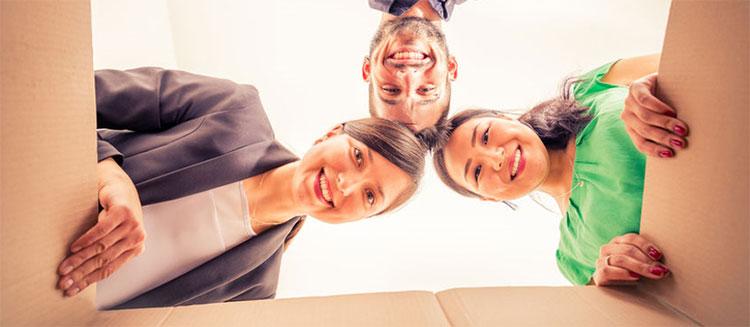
{"points": [[676, 143], [654, 253], [658, 270], [666, 154], [679, 130], [634, 275]]}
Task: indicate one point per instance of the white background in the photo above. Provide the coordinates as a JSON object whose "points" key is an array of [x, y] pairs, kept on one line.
{"points": [[305, 57]]}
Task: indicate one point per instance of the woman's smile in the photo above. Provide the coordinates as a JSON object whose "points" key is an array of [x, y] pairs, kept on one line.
{"points": [[518, 163], [322, 189]]}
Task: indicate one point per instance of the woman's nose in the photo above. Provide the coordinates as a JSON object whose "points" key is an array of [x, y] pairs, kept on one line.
{"points": [[344, 184], [498, 155]]}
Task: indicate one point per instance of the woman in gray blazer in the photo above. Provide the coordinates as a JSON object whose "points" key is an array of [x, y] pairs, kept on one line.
{"points": [[192, 161]]}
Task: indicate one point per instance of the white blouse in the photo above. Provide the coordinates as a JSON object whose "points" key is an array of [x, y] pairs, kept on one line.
{"points": [[181, 234]]}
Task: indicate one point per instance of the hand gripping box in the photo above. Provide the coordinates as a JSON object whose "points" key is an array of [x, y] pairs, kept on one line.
{"points": [[696, 207]]}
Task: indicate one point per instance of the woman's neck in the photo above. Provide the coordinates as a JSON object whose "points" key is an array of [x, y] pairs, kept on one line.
{"points": [[560, 177], [270, 196]]}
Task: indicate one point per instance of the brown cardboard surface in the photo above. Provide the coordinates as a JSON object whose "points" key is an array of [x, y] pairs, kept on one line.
{"points": [[696, 205], [559, 306], [416, 308], [48, 154], [48, 186]]}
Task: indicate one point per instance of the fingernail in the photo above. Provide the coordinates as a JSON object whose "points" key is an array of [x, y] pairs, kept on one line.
{"points": [[658, 270], [666, 154], [66, 270], [73, 291], [654, 253], [634, 275], [75, 249], [67, 283], [679, 130], [676, 143]]}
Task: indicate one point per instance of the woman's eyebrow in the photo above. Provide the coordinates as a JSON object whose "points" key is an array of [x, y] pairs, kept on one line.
{"points": [[474, 135], [466, 169]]}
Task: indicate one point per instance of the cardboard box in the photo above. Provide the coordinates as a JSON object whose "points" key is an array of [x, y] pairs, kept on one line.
{"points": [[695, 207]]}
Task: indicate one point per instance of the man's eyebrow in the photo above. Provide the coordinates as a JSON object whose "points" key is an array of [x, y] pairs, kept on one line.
{"points": [[388, 101], [466, 170]]}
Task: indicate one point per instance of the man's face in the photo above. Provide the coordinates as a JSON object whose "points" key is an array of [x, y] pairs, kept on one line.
{"points": [[409, 70]]}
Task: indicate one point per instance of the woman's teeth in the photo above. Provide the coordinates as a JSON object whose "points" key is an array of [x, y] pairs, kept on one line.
{"points": [[324, 188], [516, 160]]}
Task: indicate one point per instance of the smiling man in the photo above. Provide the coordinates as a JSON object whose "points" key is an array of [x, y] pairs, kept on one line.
{"points": [[409, 69]]}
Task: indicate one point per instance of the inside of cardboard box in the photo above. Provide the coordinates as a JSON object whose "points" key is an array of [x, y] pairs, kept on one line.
{"points": [[45, 64]]}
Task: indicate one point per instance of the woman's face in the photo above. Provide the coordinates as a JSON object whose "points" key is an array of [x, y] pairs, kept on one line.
{"points": [[496, 157], [340, 180]]}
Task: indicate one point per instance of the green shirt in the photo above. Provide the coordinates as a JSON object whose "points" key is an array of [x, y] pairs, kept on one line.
{"points": [[607, 189]]}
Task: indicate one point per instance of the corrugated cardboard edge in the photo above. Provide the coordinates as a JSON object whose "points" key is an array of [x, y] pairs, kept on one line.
{"points": [[545, 306], [704, 74]]}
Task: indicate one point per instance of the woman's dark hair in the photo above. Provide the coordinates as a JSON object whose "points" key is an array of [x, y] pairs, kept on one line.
{"points": [[555, 121], [397, 144]]}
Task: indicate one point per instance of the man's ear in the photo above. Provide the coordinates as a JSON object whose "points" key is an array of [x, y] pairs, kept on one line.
{"points": [[366, 69], [452, 68], [333, 132]]}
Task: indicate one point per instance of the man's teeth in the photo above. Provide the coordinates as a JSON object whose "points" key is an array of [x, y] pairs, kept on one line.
{"points": [[516, 160], [408, 55], [324, 188]]}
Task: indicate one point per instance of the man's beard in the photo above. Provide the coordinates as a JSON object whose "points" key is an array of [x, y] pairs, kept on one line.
{"points": [[416, 27]]}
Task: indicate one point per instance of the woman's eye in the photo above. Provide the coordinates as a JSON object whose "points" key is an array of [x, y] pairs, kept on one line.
{"points": [[477, 171], [486, 136], [358, 156], [370, 197]]}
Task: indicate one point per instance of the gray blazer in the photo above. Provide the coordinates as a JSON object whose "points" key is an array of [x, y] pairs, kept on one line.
{"points": [[176, 134]]}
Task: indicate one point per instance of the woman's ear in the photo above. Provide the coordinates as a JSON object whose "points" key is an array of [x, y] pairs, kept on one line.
{"points": [[333, 132], [366, 69]]}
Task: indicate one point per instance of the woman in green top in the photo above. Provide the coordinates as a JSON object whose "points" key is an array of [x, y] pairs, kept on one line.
{"points": [[577, 149]]}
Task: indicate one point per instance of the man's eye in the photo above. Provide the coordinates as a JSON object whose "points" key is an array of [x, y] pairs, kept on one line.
{"points": [[426, 89], [477, 171], [486, 136], [358, 156], [370, 197]]}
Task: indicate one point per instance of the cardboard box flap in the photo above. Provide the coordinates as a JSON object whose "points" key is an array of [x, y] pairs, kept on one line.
{"points": [[547, 306], [695, 206], [48, 155], [416, 308]]}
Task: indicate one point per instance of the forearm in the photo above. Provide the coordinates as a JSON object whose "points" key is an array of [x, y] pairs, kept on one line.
{"points": [[627, 70]]}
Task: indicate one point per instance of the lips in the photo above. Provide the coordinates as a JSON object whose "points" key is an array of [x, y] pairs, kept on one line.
{"points": [[517, 163], [408, 57], [321, 187]]}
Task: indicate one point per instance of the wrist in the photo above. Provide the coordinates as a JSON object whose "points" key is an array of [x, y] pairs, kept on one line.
{"points": [[108, 171]]}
